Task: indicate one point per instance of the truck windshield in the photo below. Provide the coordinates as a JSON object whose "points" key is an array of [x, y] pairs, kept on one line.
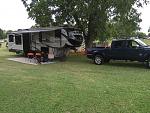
{"points": [[140, 42]]}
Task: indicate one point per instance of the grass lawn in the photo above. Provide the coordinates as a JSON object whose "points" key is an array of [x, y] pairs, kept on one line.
{"points": [[74, 86], [146, 41]]}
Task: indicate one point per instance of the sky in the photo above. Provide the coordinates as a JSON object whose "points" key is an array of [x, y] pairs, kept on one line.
{"points": [[13, 16], [145, 16]]}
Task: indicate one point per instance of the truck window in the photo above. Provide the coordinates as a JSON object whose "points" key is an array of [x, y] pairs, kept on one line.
{"points": [[11, 38], [118, 44], [18, 39], [133, 44]]}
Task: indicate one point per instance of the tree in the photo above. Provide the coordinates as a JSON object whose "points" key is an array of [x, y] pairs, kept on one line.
{"points": [[148, 34], [149, 29], [98, 19], [2, 34], [141, 35]]}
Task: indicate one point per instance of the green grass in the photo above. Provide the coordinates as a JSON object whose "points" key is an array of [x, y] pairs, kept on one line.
{"points": [[146, 41], [74, 86]]}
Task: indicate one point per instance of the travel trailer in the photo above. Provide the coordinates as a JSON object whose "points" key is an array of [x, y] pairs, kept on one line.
{"points": [[55, 40]]}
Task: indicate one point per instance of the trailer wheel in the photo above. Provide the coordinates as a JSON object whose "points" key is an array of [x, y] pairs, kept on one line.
{"points": [[98, 60]]}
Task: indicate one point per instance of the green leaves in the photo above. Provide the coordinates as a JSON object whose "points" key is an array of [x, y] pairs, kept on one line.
{"points": [[98, 19], [2, 34]]}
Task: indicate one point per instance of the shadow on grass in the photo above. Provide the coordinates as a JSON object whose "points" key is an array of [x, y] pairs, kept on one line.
{"points": [[78, 59], [123, 64], [85, 61], [13, 56], [126, 64]]}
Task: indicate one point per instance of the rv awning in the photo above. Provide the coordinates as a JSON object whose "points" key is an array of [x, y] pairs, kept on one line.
{"points": [[35, 30]]}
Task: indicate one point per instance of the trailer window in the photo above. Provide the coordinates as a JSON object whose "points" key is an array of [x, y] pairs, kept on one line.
{"points": [[18, 39], [11, 38], [57, 33]]}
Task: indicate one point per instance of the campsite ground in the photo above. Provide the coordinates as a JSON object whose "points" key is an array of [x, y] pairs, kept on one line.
{"points": [[74, 86]]}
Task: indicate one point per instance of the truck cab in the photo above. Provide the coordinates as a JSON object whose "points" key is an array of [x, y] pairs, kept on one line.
{"points": [[129, 49]]}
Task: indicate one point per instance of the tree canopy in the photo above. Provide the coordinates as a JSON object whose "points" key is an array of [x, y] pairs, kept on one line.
{"points": [[141, 35], [98, 19], [2, 34]]}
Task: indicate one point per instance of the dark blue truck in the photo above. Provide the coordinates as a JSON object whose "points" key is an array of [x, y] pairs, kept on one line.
{"points": [[121, 49]]}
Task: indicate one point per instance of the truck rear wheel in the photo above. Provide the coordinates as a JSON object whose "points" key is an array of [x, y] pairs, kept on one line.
{"points": [[98, 59]]}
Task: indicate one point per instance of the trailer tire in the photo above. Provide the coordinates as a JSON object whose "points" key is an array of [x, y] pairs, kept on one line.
{"points": [[98, 59]]}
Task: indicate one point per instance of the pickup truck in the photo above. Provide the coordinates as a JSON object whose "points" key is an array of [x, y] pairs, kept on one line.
{"points": [[121, 49]]}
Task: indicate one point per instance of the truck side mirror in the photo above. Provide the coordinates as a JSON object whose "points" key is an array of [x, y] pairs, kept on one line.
{"points": [[137, 46]]}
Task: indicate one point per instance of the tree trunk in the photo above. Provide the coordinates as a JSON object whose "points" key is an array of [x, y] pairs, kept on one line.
{"points": [[88, 42], [91, 33]]}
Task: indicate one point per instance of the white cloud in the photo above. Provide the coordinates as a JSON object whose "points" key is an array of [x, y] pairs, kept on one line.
{"points": [[145, 24], [13, 15]]}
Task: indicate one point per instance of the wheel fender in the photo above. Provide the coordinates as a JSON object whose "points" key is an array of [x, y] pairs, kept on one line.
{"points": [[101, 54], [146, 56]]}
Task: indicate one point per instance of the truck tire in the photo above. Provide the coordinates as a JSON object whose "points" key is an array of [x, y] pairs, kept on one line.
{"points": [[98, 60], [148, 63]]}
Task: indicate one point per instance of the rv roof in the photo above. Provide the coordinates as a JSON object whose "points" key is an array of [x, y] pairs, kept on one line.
{"points": [[34, 30]]}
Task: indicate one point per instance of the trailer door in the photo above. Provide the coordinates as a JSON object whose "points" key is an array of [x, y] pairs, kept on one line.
{"points": [[18, 42], [26, 42]]}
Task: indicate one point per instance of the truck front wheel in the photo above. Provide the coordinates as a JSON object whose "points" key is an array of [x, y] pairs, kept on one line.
{"points": [[98, 59]]}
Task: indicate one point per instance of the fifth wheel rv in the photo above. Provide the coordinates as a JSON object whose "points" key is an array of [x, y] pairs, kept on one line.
{"points": [[55, 40]]}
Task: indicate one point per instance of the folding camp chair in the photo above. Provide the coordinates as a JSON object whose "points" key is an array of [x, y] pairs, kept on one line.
{"points": [[38, 57], [30, 56]]}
